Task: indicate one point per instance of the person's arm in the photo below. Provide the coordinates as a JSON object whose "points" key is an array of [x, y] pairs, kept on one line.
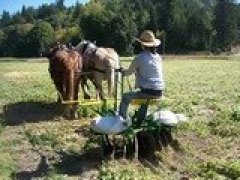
{"points": [[131, 69]]}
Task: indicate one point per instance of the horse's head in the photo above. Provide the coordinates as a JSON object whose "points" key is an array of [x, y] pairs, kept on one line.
{"points": [[51, 50], [85, 45]]}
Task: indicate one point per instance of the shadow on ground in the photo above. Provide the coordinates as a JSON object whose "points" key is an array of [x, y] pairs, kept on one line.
{"points": [[69, 163], [84, 165], [41, 170], [21, 112], [77, 164]]}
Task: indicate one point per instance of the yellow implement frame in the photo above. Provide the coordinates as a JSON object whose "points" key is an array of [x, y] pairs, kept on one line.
{"points": [[91, 102], [138, 102], [87, 102]]}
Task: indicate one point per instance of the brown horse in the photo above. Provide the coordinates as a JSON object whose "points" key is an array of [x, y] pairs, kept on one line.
{"points": [[101, 63], [64, 68]]}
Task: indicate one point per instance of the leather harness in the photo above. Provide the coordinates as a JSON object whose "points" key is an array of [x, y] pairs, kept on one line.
{"points": [[90, 58]]}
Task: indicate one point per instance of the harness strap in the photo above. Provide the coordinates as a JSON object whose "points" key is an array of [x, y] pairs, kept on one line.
{"points": [[89, 56], [98, 70], [85, 73]]}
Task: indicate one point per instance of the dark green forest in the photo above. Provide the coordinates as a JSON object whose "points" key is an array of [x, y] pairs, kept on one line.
{"points": [[184, 26]]}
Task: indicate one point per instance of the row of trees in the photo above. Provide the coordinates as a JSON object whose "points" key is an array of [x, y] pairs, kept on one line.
{"points": [[186, 25]]}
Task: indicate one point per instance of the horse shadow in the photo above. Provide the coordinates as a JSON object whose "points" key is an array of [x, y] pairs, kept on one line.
{"points": [[30, 112]]}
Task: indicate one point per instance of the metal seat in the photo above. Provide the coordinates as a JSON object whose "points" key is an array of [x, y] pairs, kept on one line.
{"points": [[143, 105], [150, 101]]}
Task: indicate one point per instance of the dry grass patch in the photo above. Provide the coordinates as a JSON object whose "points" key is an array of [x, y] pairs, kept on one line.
{"points": [[17, 75]]}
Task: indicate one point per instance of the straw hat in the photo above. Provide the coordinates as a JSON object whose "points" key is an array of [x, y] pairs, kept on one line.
{"points": [[148, 39]]}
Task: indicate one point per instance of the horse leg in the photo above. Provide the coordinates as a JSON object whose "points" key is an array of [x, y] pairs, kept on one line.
{"points": [[73, 94], [84, 86], [64, 94], [97, 81], [60, 92], [64, 86], [76, 89], [110, 82], [70, 92], [58, 82]]}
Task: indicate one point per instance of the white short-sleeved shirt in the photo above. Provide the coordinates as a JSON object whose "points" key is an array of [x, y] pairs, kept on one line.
{"points": [[148, 71]]}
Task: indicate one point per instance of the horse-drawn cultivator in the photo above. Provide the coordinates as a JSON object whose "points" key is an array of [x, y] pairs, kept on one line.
{"points": [[139, 135]]}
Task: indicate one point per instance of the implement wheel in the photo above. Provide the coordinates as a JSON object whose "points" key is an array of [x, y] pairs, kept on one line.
{"points": [[106, 146], [146, 144], [165, 137]]}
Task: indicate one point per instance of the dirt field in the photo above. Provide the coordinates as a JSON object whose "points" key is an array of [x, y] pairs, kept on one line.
{"points": [[36, 142]]}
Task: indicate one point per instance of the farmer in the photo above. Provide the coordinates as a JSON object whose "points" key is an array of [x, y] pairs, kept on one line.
{"points": [[147, 67]]}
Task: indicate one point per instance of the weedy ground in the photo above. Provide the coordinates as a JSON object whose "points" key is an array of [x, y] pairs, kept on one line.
{"points": [[37, 142]]}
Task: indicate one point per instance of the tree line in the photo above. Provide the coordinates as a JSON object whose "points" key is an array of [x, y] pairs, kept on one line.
{"points": [[182, 25]]}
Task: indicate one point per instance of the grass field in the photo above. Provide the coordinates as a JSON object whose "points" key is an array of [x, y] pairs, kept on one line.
{"points": [[36, 141]]}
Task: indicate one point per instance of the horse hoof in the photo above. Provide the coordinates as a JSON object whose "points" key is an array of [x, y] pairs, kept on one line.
{"points": [[73, 115], [69, 114], [76, 115]]}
